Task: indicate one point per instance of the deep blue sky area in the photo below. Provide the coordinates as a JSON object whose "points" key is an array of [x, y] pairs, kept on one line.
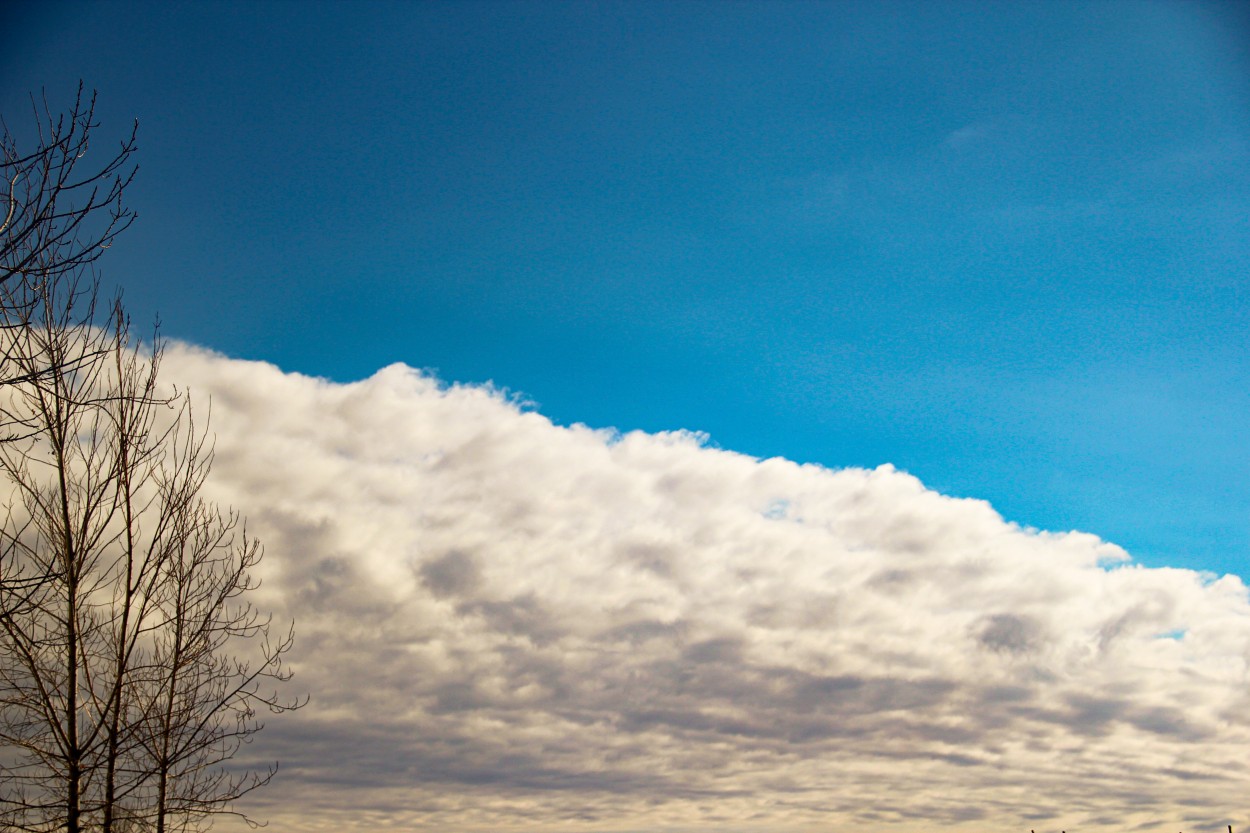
{"points": [[1003, 246]]}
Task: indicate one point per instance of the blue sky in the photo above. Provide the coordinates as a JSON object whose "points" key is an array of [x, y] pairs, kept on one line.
{"points": [[1003, 247]]}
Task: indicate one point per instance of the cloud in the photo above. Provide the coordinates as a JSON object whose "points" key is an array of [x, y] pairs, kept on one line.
{"points": [[986, 134], [506, 623], [971, 134]]}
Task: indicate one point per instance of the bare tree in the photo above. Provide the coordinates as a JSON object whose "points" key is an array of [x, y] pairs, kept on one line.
{"points": [[132, 667], [59, 214], [58, 219]]}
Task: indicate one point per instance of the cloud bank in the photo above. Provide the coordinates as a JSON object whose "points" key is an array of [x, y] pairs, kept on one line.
{"points": [[508, 624]]}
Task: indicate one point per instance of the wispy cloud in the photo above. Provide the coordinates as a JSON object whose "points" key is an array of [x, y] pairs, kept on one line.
{"points": [[972, 134], [507, 623]]}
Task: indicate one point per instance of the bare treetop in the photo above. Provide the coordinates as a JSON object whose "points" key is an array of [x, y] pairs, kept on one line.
{"points": [[58, 218]]}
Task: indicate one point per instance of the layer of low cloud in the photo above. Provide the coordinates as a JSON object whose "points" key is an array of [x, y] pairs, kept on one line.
{"points": [[506, 623]]}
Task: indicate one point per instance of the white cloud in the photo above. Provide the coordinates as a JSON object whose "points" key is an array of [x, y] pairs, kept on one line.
{"points": [[506, 623], [986, 134], [969, 135]]}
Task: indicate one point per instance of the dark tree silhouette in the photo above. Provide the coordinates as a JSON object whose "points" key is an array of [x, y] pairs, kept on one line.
{"points": [[58, 218], [132, 666]]}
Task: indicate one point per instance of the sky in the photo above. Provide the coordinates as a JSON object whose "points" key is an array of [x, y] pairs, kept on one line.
{"points": [[657, 413]]}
